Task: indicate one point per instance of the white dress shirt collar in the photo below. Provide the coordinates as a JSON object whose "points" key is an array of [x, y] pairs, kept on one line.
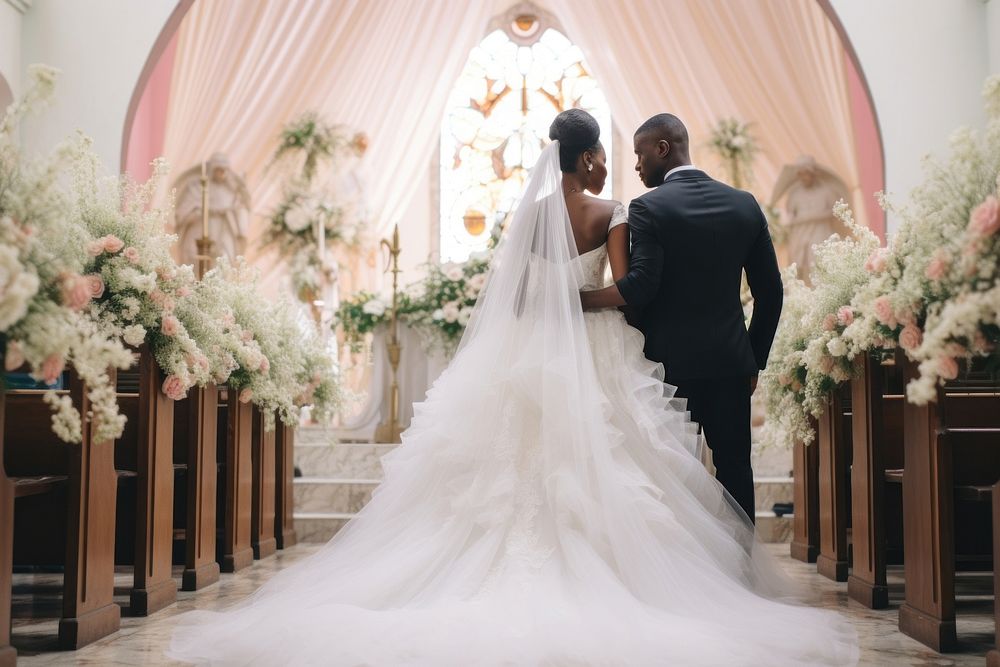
{"points": [[683, 167]]}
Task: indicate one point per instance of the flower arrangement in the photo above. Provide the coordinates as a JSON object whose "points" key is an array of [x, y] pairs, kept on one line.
{"points": [[441, 305], [731, 140], [274, 360], [307, 219], [810, 356], [361, 314], [45, 292]]}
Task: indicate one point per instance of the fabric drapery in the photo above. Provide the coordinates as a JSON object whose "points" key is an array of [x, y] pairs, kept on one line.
{"points": [[778, 64], [386, 67], [377, 66]]}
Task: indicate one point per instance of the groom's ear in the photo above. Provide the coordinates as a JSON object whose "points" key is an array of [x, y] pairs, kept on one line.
{"points": [[662, 148]]}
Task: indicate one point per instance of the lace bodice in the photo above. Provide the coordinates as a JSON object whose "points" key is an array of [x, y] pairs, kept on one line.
{"points": [[595, 262]]}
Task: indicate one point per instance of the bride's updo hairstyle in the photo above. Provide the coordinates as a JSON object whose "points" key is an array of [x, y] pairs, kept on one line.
{"points": [[576, 131]]}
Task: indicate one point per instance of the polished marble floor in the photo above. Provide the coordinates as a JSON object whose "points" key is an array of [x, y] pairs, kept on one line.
{"points": [[141, 640]]}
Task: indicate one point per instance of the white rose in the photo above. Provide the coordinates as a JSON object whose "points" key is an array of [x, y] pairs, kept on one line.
{"points": [[450, 312], [478, 281], [374, 307], [454, 273], [17, 287], [464, 315], [480, 256], [837, 347], [297, 218], [134, 334], [437, 315]]}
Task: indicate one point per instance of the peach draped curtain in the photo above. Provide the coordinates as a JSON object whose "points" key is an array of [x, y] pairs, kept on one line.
{"points": [[385, 67], [779, 64], [242, 70]]}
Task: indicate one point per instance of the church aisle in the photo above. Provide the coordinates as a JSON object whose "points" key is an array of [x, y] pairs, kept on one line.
{"points": [[142, 640]]}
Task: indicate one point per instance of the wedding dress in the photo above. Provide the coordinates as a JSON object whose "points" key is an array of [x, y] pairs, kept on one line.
{"points": [[548, 506]]}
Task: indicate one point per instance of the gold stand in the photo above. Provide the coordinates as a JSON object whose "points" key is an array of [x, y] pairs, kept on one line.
{"points": [[389, 430], [204, 244]]}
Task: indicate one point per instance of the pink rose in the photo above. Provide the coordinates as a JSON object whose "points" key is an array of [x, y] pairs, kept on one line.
{"points": [[845, 316], [247, 336], [830, 322], [905, 315], [228, 319], [112, 243], [170, 325], [985, 218], [75, 290], [52, 367], [947, 367], [184, 291], [13, 356], [246, 395], [96, 284], [166, 273], [157, 297], [131, 254], [95, 248], [174, 388], [784, 380], [937, 268], [883, 312], [910, 337], [265, 365], [168, 304], [877, 261], [796, 386]]}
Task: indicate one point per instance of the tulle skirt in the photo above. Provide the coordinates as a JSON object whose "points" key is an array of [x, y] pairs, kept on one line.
{"points": [[517, 528]]}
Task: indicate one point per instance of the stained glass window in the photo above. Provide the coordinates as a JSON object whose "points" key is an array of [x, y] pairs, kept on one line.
{"points": [[497, 122]]}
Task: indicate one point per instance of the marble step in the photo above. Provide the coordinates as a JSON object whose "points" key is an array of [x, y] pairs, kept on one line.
{"points": [[771, 490], [771, 528], [319, 527], [355, 460], [332, 494]]}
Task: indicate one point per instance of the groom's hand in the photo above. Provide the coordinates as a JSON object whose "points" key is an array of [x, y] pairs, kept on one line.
{"points": [[753, 384], [609, 297]]}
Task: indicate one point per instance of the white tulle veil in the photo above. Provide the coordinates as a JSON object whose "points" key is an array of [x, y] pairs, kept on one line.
{"points": [[532, 515]]}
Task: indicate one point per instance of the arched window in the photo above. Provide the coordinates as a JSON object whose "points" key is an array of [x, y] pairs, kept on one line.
{"points": [[497, 122]]}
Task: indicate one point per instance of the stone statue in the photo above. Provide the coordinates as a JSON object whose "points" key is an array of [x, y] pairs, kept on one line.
{"points": [[228, 211], [811, 191]]}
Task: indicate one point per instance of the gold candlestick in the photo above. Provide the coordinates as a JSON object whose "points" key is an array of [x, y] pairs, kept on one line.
{"points": [[389, 430], [204, 244]]}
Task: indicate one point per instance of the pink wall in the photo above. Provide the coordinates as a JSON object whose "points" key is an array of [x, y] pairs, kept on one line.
{"points": [[867, 145], [145, 141]]}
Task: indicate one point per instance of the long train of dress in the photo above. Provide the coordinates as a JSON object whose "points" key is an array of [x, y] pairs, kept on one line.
{"points": [[592, 535]]}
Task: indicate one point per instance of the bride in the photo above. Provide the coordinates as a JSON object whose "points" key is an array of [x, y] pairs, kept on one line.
{"points": [[548, 505]]}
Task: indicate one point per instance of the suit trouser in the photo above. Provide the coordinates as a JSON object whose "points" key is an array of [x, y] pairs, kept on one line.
{"points": [[722, 407]]}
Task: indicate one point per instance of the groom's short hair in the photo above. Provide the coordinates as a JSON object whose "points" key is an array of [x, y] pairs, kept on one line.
{"points": [[665, 126]]}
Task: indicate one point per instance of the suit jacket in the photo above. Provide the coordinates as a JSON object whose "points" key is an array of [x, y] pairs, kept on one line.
{"points": [[691, 239]]}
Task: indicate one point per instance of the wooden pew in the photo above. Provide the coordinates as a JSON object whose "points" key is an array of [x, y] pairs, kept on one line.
{"points": [[146, 450], [952, 450], [993, 656], [877, 441], [284, 509], [72, 487], [235, 500], [262, 517], [195, 448], [8, 656], [805, 520], [834, 451]]}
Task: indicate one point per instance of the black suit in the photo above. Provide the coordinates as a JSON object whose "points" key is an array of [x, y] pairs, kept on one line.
{"points": [[691, 239]]}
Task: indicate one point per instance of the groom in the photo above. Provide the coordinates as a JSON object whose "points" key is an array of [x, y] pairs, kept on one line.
{"points": [[691, 239]]}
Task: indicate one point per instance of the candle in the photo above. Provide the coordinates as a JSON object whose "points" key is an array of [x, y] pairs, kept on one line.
{"points": [[204, 200], [321, 236]]}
